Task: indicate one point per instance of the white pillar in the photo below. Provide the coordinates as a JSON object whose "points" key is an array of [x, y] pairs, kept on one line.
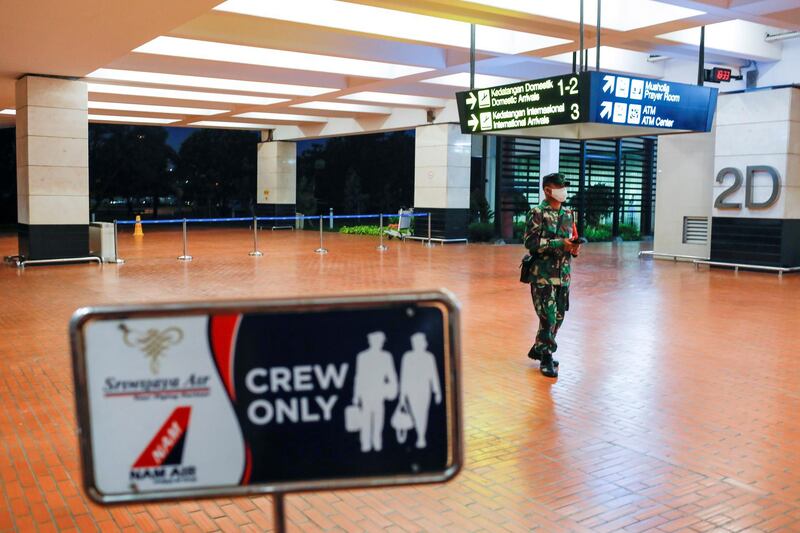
{"points": [[52, 167], [549, 155], [757, 134], [442, 178], [276, 181]]}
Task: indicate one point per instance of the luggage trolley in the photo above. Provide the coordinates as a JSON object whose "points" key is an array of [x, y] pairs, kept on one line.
{"points": [[403, 228]]}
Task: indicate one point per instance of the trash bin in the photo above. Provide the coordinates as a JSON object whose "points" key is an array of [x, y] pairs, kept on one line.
{"points": [[300, 222], [101, 241]]}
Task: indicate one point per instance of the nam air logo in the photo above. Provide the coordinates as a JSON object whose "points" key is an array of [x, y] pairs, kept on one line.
{"points": [[161, 462]]}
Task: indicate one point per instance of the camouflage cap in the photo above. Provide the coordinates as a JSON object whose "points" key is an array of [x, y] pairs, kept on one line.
{"points": [[555, 178]]}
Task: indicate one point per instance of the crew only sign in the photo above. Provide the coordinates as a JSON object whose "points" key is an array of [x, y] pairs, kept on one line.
{"points": [[274, 396]]}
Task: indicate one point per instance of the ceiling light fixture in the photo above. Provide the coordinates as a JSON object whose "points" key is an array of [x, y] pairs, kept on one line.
{"points": [[393, 98], [8, 112], [620, 15], [103, 88], [282, 116], [268, 57], [346, 108], [134, 120], [158, 78], [237, 125], [461, 79], [391, 23], [146, 108]]}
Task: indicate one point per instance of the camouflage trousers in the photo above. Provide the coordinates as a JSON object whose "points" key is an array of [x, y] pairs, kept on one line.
{"points": [[551, 303]]}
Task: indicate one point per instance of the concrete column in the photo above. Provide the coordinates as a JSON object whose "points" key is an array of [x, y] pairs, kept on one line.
{"points": [[276, 181], [683, 191], [757, 143], [52, 168], [442, 178], [549, 160]]}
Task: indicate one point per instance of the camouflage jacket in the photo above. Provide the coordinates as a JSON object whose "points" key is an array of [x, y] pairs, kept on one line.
{"points": [[544, 234]]}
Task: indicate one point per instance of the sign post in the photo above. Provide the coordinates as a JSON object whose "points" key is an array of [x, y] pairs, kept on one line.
{"points": [[588, 97], [198, 400]]}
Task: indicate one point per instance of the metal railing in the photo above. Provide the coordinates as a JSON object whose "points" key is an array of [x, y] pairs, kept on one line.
{"points": [[184, 222], [736, 266], [675, 257]]}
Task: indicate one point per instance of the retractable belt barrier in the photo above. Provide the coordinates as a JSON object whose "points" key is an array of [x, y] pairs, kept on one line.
{"points": [[255, 220]]}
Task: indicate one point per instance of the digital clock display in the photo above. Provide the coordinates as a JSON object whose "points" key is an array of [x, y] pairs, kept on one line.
{"points": [[721, 74], [718, 75]]}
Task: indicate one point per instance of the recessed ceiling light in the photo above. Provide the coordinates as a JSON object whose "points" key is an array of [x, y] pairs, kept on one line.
{"points": [[8, 112], [392, 23], [146, 108], [620, 15], [135, 120], [461, 79], [159, 78], [619, 59], [348, 108], [282, 116], [267, 57], [182, 95], [393, 98], [739, 38], [237, 125]]}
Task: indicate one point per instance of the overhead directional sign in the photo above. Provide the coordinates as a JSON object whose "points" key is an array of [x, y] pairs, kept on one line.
{"points": [[588, 97], [649, 103], [237, 398], [545, 102]]}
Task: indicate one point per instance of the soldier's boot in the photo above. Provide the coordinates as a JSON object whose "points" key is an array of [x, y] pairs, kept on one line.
{"points": [[547, 366], [536, 357]]}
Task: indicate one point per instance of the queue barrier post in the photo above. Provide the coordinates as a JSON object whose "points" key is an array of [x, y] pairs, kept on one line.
{"points": [[185, 256], [279, 512], [428, 243], [321, 250], [382, 247], [255, 252], [117, 260]]}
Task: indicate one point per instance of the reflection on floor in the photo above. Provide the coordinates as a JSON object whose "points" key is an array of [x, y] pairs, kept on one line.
{"points": [[676, 407]]}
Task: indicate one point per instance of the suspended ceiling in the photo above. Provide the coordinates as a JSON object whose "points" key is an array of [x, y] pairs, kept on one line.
{"points": [[311, 68]]}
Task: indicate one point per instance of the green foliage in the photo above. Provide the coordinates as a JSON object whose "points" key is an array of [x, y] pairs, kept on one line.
{"points": [[519, 229], [306, 201], [360, 230], [603, 232], [598, 233], [354, 199], [479, 207], [131, 162], [480, 231], [8, 176], [519, 203], [599, 203], [629, 232], [218, 170], [384, 164]]}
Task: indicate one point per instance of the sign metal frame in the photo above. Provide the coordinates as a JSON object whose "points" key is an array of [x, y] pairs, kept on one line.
{"points": [[451, 378]]}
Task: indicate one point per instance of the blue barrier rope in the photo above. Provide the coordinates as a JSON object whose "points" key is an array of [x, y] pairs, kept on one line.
{"points": [[262, 219]]}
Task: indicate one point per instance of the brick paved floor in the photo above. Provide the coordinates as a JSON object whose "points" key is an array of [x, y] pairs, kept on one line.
{"points": [[676, 409]]}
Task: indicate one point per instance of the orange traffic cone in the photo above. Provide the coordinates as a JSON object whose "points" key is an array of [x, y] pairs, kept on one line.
{"points": [[137, 228]]}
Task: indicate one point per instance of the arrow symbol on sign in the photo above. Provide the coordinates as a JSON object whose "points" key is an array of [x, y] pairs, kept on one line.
{"points": [[609, 85], [605, 112], [471, 101], [473, 123]]}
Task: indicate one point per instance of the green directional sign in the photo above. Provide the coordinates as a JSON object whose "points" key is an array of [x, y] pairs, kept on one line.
{"points": [[527, 104]]}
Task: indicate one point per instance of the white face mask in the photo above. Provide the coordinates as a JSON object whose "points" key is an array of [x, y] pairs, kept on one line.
{"points": [[559, 195]]}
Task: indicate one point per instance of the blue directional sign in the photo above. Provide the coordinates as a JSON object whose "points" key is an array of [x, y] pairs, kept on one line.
{"points": [[631, 101]]}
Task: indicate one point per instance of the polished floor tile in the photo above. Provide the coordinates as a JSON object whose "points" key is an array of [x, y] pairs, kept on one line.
{"points": [[676, 408]]}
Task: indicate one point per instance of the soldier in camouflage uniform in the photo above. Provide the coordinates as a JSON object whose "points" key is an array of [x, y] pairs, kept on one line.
{"points": [[548, 237]]}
